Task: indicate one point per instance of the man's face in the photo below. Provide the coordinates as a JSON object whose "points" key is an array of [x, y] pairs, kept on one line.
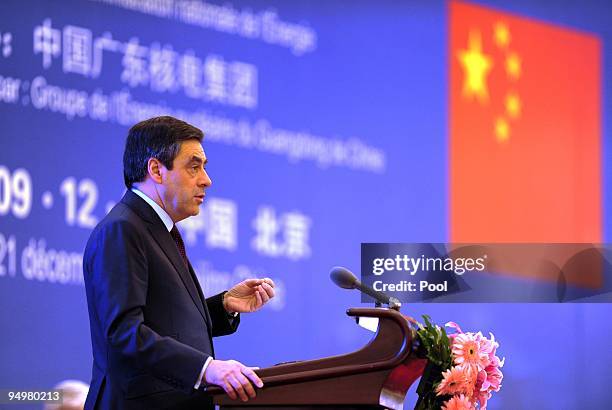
{"points": [[185, 184]]}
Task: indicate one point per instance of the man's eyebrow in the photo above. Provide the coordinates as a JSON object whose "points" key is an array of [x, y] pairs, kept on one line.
{"points": [[199, 160]]}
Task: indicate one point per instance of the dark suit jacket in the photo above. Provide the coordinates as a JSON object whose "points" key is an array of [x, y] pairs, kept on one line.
{"points": [[151, 328]]}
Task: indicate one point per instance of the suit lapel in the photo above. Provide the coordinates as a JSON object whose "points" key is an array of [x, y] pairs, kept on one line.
{"points": [[166, 243], [202, 298], [163, 238]]}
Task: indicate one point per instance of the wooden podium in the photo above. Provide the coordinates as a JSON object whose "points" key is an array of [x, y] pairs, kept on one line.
{"points": [[375, 377]]}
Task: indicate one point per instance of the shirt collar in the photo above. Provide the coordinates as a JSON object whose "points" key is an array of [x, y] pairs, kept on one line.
{"points": [[163, 215]]}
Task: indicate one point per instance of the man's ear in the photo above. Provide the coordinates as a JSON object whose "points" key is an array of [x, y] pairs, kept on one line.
{"points": [[154, 168]]}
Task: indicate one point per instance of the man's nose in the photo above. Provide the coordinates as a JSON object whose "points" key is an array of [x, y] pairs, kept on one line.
{"points": [[205, 181]]}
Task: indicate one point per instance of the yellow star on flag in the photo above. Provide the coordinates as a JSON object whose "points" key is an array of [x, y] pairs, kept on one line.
{"points": [[502, 129], [513, 65], [513, 105], [476, 66], [502, 35]]}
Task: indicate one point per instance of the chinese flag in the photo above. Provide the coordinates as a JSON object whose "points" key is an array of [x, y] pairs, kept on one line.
{"points": [[525, 129]]}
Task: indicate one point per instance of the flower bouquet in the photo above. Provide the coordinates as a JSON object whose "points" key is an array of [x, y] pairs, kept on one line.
{"points": [[462, 371]]}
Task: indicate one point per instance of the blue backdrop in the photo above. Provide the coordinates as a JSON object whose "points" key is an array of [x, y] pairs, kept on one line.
{"points": [[326, 126]]}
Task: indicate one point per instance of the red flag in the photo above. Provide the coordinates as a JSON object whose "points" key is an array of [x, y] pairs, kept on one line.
{"points": [[525, 129]]}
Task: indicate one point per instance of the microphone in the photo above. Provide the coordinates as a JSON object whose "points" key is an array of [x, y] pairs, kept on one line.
{"points": [[347, 280]]}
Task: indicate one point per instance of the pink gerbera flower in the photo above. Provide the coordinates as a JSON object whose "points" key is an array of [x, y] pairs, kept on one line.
{"points": [[469, 350], [460, 402], [456, 380], [482, 397], [493, 380]]}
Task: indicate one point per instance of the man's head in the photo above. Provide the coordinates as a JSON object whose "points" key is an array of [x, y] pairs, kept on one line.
{"points": [[164, 158]]}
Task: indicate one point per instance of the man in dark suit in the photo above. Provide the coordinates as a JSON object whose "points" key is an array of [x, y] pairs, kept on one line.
{"points": [[151, 326]]}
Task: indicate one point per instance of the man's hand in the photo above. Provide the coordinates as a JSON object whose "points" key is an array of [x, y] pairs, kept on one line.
{"points": [[233, 377], [249, 295]]}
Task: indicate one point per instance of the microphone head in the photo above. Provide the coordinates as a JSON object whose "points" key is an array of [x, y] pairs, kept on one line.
{"points": [[343, 277]]}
